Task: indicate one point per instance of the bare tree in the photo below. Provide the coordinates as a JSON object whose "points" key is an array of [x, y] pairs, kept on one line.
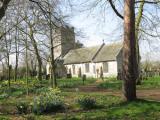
{"points": [[3, 7], [26, 58], [7, 43], [16, 52], [53, 74]]}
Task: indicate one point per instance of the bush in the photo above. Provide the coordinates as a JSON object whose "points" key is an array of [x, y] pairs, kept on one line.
{"points": [[22, 107], [29, 117], [86, 102], [49, 101], [67, 85], [41, 90], [3, 96], [18, 93], [113, 85]]}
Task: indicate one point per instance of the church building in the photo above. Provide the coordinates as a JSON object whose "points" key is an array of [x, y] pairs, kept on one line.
{"points": [[96, 61]]}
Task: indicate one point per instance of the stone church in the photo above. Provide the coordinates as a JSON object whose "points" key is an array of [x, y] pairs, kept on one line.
{"points": [[96, 61]]}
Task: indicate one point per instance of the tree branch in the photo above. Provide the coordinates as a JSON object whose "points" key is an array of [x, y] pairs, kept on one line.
{"points": [[149, 2], [115, 10], [3, 7], [3, 34]]}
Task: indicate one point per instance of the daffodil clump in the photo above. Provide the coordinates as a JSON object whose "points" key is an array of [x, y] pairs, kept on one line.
{"points": [[86, 102], [22, 107], [49, 100]]}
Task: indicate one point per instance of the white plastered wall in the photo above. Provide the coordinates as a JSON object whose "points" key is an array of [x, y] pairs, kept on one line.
{"points": [[112, 69]]}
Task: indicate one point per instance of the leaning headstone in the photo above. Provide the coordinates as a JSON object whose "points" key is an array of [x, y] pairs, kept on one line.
{"points": [[69, 75], [83, 78]]}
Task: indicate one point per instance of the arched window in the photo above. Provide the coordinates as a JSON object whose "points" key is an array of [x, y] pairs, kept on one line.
{"points": [[87, 67], [94, 69], [73, 68], [105, 67]]}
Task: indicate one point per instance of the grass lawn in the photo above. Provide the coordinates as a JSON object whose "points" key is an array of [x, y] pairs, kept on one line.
{"points": [[113, 84], [74, 82], [108, 106], [150, 83]]}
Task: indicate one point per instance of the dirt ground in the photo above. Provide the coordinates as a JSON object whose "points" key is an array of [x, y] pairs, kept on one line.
{"points": [[153, 94]]}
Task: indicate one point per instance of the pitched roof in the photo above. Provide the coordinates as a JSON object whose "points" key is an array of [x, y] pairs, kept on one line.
{"points": [[108, 52], [81, 55], [96, 54]]}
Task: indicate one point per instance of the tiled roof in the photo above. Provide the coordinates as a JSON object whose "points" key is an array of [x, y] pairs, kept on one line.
{"points": [[93, 54]]}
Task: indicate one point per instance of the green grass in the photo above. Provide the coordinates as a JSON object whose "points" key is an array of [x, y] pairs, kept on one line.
{"points": [[150, 83], [116, 109], [114, 84], [109, 107], [74, 82], [19, 87]]}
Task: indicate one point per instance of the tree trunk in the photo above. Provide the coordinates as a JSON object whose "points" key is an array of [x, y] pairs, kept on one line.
{"points": [[8, 59], [17, 55], [53, 69], [3, 72], [9, 71], [137, 25], [53, 66], [129, 52], [34, 43], [26, 56]]}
